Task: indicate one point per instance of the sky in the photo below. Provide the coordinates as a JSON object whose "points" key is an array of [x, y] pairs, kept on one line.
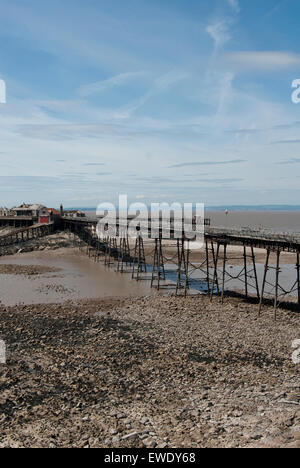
{"points": [[162, 100]]}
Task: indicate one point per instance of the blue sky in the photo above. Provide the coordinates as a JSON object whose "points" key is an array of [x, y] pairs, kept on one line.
{"points": [[163, 100]]}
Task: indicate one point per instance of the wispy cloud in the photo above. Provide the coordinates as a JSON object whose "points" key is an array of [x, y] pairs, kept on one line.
{"points": [[94, 164], [220, 29], [261, 60], [234, 5], [275, 8], [171, 180], [105, 85], [289, 161], [160, 85], [220, 32], [285, 142], [169, 79], [64, 131], [208, 163]]}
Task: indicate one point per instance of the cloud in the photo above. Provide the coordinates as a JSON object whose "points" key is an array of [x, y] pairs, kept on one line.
{"points": [[234, 5], [168, 79], [105, 85], [275, 8], [260, 60], [285, 142], [219, 32], [94, 164], [289, 161], [162, 83], [208, 163], [65, 131], [165, 180], [27, 183], [253, 131]]}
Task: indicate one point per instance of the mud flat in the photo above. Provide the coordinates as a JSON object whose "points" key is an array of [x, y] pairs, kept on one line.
{"points": [[60, 275], [149, 372]]}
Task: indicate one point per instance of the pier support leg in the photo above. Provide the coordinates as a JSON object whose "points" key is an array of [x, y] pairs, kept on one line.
{"points": [[298, 276], [207, 267], [107, 251], [155, 263], [183, 261], [277, 283], [215, 281], [179, 258], [224, 272], [246, 271], [187, 262], [255, 273], [124, 254], [139, 262], [158, 269], [264, 282]]}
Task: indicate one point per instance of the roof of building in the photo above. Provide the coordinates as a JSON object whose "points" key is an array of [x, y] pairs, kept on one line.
{"points": [[54, 211], [24, 207]]}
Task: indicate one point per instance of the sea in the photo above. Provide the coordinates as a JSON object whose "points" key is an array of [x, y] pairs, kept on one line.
{"points": [[278, 218]]}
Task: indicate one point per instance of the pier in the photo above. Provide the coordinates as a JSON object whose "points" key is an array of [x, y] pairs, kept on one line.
{"points": [[17, 221], [171, 263], [23, 235], [147, 259]]}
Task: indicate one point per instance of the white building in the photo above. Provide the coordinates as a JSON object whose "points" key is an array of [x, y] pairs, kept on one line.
{"points": [[4, 211], [28, 210]]}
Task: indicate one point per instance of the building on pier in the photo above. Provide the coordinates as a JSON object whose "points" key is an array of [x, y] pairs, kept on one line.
{"points": [[28, 210], [27, 215], [4, 211], [74, 214]]}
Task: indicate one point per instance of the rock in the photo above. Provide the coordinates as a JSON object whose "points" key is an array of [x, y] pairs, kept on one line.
{"points": [[133, 435]]}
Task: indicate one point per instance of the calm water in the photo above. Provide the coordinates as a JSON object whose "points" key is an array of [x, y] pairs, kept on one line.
{"points": [[283, 221]]}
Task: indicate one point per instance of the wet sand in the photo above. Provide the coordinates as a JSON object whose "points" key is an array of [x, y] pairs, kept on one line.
{"points": [[73, 277], [68, 275]]}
